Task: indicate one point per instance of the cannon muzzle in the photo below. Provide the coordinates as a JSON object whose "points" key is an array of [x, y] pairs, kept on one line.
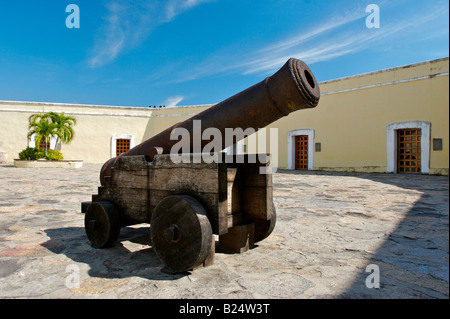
{"points": [[292, 88]]}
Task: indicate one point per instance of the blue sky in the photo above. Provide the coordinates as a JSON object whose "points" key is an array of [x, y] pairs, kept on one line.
{"points": [[188, 52]]}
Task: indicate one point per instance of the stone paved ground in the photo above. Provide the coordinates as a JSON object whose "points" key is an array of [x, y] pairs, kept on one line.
{"points": [[330, 227]]}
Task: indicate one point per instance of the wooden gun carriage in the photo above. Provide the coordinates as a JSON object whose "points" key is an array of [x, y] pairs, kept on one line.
{"points": [[186, 203]]}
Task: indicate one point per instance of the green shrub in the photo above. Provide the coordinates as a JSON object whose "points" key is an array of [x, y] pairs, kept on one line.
{"points": [[31, 154], [54, 155]]}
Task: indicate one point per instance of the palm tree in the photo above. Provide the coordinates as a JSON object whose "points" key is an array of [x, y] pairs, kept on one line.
{"points": [[43, 130], [64, 126], [53, 124]]}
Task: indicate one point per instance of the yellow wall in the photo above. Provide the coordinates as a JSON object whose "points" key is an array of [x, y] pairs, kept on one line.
{"points": [[350, 121], [351, 125], [94, 129]]}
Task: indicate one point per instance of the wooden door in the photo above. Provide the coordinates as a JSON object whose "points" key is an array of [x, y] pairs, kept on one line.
{"points": [[301, 152], [122, 146], [43, 145], [409, 151]]}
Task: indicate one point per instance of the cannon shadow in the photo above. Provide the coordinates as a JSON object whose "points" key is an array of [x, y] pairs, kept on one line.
{"points": [[130, 256]]}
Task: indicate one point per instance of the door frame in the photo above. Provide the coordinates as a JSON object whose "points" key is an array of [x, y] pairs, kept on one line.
{"points": [[291, 147], [391, 141], [116, 137]]}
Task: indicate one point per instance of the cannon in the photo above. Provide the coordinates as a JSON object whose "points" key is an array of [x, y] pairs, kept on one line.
{"points": [[189, 203]]}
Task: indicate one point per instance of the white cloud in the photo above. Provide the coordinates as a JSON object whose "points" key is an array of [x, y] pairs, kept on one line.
{"points": [[176, 7], [112, 39], [173, 101], [337, 36], [332, 23], [128, 23], [302, 44]]}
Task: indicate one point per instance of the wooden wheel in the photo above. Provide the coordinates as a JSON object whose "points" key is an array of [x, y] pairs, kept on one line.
{"points": [[181, 233], [263, 228], [102, 224]]}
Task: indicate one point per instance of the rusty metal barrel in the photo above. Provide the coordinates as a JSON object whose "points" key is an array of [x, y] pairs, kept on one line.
{"points": [[292, 88]]}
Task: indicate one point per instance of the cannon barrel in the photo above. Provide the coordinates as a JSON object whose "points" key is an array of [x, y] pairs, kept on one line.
{"points": [[292, 88]]}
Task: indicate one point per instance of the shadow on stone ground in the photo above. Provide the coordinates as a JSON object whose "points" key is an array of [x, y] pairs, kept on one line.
{"points": [[117, 261], [417, 250], [330, 226], [413, 260]]}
